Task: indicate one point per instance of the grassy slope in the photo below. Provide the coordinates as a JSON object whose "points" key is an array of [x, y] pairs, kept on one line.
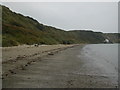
{"points": [[19, 29]]}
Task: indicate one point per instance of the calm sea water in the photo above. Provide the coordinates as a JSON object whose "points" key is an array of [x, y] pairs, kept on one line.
{"points": [[104, 57]]}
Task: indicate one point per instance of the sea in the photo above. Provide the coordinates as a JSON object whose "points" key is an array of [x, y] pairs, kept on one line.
{"points": [[104, 57]]}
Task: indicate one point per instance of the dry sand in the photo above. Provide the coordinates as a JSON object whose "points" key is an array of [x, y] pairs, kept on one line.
{"points": [[18, 57], [10, 53], [59, 69]]}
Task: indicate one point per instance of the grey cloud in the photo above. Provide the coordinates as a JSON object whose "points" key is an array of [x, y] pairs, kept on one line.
{"points": [[97, 16]]}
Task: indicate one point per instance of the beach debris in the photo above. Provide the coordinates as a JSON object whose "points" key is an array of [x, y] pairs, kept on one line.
{"points": [[29, 62], [70, 82], [22, 67], [26, 64], [50, 53], [116, 86], [28, 78], [6, 74], [12, 72], [33, 61], [10, 57], [36, 45]]}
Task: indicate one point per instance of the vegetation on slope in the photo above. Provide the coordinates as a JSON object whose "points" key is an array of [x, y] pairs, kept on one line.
{"points": [[18, 29]]}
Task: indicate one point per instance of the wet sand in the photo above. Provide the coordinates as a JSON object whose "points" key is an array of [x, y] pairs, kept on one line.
{"points": [[63, 69]]}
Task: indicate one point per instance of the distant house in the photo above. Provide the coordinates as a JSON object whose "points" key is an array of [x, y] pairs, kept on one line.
{"points": [[106, 41]]}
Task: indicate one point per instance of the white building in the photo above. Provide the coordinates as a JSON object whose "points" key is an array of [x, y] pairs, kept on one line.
{"points": [[106, 41]]}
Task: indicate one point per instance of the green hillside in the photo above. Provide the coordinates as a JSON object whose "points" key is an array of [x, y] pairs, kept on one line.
{"points": [[18, 29]]}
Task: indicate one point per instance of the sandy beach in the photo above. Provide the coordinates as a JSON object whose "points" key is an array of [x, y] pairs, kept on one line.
{"points": [[60, 69], [18, 57]]}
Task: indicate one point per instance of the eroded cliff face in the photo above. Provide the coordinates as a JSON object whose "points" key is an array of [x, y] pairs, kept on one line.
{"points": [[113, 37]]}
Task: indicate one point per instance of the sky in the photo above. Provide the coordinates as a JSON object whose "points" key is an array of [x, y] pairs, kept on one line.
{"points": [[96, 16]]}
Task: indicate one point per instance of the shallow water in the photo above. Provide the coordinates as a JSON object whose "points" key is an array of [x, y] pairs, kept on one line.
{"points": [[104, 57]]}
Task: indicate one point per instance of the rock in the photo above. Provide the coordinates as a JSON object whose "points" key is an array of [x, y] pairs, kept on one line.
{"points": [[50, 53], [11, 71]]}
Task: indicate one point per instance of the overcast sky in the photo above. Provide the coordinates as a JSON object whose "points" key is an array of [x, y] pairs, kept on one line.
{"points": [[96, 16]]}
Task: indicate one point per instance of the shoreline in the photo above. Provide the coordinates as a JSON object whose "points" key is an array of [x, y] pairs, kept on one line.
{"points": [[26, 55]]}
